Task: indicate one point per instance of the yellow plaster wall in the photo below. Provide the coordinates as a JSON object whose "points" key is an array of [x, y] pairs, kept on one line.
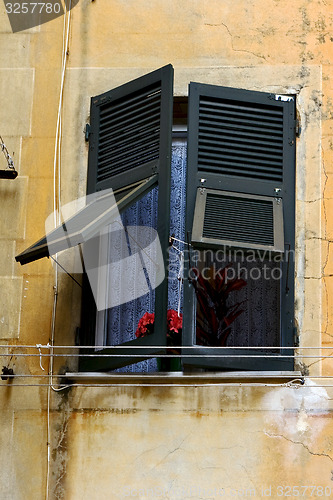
{"points": [[196, 442], [107, 439]]}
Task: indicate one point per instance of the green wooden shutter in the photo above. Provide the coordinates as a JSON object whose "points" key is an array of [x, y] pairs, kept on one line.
{"points": [[241, 164], [129, 135], [238, 220], [130, 141]]}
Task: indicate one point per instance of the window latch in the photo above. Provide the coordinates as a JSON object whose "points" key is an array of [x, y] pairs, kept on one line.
{"points": [[277, 195], [201, 188]]}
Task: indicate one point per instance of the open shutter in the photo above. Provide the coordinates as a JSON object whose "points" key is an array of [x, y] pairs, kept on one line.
{"points": [[129, 155], [130, 144], [129, 135], [240, 194], [102, 208]]}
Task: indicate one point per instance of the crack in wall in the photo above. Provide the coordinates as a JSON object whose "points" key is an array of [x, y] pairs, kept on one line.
{"points": [[217, 25], [59, 450], [171, 452], [325, 290], [299, 443], [318, 277], [320, 239], [144, 453], [249, 477], [319, 360]]}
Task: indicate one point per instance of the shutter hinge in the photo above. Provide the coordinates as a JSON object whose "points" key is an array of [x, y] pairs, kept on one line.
{"points": [[296, 337], [87, 132], [298, 128]]}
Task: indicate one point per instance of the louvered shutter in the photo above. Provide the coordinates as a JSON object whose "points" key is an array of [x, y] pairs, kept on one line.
{"points": [[238, 220], [240, 141], [241, 189], [130, 141], [130, 131]]}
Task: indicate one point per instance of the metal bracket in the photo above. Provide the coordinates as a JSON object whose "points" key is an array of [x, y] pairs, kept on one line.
{"points": [[87, 132], [298, 128]]}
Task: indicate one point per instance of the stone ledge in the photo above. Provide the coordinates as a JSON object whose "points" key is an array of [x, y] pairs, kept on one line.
{"points": [[202, 378]]}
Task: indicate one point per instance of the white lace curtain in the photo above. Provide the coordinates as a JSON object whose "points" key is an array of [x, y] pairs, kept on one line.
{"points": [[121, 321]]}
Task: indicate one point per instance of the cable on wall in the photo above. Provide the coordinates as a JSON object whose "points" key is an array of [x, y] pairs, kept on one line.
{"points": [[120, 346], [57, 218], [296, 384]]}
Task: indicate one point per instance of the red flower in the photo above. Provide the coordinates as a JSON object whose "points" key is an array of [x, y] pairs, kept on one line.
{"points": [[144, 325], [174, 326], [175, 322]]}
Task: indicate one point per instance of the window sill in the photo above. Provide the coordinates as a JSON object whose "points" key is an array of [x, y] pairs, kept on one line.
{"points": [[255, 378]]}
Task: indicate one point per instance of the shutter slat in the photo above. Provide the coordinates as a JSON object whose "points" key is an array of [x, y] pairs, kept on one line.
{"points": [[132, 100], [254, 174], [211, 163], [246, 146], [113, 161], [123, 168], [255, 122], [227, 160], [118, 151], [222, 124], [129, 116], [230, 137], [239, 138], [217, 150], [247, 116], [128, 125], [239, 105], [244, 225], [143, 130]]}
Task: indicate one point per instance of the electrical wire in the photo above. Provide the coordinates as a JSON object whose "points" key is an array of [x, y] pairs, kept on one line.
{"points": [[147, 356], [57, 218], [34, 346], [189, 385], [148, 374]]}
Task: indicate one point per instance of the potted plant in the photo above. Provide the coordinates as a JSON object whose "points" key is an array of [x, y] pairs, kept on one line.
{"points": [[215, 312], [174, 337]]}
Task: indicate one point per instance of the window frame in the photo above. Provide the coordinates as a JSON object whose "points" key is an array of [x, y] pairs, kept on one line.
{"points": [[285, 340]]}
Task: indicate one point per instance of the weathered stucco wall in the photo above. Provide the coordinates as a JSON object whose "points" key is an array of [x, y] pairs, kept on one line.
{"points": [[113, 442]]}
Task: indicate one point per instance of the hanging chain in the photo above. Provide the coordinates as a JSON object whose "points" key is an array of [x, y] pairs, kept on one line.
{"points": [[9, 159]]}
